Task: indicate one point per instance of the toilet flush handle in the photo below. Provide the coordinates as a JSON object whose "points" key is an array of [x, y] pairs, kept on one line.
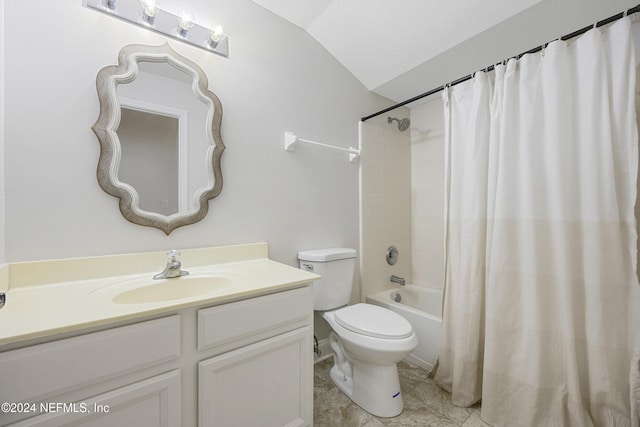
{"points": [[308, 267]]}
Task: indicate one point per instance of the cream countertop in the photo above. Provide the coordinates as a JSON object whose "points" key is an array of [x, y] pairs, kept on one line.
{"points": [[79, 293]]}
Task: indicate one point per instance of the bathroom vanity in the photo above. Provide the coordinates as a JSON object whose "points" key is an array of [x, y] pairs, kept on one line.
{"points": [[80, 352]]}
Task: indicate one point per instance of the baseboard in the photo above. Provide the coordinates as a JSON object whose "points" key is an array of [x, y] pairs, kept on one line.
{"points": [[419, 362], [325, 351]]}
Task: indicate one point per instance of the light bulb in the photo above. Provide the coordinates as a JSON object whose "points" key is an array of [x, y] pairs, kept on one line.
{"points": [[186, 20], [149, 11], [109, 4], [216, 36]]}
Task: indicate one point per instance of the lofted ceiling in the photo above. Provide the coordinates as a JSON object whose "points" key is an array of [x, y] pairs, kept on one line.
{"points": [[401, 48]]}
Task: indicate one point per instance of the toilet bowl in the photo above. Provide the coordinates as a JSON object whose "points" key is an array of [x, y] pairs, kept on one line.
{"points": [[368, 341]]}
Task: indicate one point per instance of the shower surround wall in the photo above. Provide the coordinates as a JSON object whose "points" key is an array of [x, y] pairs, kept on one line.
{"points": [[427, 193], [385, 203], [402, 199]]}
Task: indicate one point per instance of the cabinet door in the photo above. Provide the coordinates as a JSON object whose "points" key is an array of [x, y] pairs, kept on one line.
{"points": [[154, 402], [266, 384]]}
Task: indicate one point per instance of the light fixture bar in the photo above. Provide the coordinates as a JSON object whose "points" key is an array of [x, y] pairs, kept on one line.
{"points": [[163, 22]]}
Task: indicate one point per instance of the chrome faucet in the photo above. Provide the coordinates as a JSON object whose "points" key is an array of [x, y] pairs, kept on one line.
{"points": [[172, 268], [398, 280]]}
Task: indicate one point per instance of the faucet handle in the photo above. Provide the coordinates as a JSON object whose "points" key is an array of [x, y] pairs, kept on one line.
{"points": [[173, 254]]}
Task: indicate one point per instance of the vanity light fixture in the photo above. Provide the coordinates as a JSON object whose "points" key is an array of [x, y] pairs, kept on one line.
{"points": [[146, 14]]}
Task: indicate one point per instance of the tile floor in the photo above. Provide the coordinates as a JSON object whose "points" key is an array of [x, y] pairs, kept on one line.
{"points": [[425, 404]]}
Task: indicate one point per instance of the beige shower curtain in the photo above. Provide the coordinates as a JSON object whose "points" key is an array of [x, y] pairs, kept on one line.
{"points": [[541, 292]]}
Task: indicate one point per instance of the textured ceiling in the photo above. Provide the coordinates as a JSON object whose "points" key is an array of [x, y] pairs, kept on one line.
{"points": [[400, 48], [378, 40]]}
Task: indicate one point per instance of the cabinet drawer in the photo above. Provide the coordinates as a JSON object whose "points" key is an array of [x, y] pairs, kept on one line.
{"points": [[34, 373], [256, 318]]}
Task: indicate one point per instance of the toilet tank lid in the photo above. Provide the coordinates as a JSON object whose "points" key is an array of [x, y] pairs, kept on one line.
{"points": [[324, 255]]}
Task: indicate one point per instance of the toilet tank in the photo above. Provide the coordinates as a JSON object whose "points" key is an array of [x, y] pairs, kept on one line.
{"points": [[336, 266]]}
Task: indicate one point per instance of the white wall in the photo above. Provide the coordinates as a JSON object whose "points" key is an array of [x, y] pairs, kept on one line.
{"points": [[2, 190], [277, 79], [427, 193], [385, 203]]}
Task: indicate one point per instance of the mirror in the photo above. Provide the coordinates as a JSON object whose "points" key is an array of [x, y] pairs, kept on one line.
{"points": [[159, 134]]}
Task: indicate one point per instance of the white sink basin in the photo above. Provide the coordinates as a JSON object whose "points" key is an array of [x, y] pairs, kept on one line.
{"points": [[171, 289]]}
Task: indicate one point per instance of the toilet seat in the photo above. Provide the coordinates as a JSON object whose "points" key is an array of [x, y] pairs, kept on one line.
{"points": [[373, 321]]}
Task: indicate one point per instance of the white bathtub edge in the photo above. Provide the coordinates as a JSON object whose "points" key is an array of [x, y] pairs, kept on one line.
{"points": [[426, 325]]}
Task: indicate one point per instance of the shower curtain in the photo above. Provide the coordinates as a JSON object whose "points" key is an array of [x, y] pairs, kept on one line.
{"points": [[541, 292]]}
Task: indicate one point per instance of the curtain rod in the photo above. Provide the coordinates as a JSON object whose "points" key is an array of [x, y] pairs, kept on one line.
{"points": [[491, 67]]}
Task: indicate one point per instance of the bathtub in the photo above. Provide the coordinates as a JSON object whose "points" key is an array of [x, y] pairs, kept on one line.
{"points": [[422, 307]]}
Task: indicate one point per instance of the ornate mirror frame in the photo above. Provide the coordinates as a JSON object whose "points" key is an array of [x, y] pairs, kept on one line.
{"points": [[110, 150]]}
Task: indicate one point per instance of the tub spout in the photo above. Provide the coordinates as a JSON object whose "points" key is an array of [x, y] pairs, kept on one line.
{"points": [[398, 280]]}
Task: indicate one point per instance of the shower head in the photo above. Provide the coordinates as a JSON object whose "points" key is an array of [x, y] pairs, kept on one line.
{"points": [[403, 124]]}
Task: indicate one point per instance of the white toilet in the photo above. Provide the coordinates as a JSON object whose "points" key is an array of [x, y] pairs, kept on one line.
{"points": [[368, 340]]}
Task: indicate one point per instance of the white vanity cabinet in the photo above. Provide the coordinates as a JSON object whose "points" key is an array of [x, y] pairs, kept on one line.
{"points": [[242, 363]]}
